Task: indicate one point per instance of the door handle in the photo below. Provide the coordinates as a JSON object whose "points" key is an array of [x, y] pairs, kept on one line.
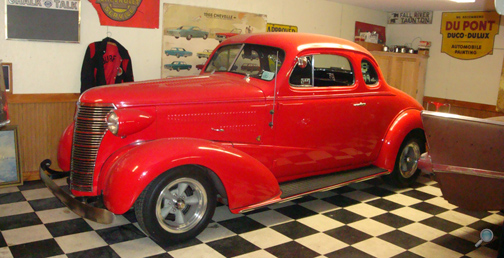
{"points": [[360, 104]]}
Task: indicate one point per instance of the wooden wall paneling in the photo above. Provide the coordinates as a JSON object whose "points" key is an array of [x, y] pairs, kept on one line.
{"points": [[463, 108], [40, 125]]}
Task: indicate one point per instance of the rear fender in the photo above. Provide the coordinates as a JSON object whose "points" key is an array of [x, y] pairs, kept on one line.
{"points": [[405, 123], [126, 174]]}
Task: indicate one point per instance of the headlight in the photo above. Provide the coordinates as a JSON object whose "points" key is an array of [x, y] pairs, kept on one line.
{"points": [[113, 122], [123, 122]]}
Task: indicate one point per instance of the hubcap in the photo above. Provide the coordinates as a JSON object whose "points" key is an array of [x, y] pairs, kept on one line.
{"points": [[408, 160], [181, 205]]}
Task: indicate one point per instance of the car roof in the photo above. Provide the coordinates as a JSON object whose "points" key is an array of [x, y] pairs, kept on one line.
{"points": [[300, 41]]}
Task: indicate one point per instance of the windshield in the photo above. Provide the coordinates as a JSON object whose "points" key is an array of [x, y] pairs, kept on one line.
{"points": [[257, 61]]}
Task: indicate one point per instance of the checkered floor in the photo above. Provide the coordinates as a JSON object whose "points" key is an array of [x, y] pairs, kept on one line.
{"points": [[368, 219]]}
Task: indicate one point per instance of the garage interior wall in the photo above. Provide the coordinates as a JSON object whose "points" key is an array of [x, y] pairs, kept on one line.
{"points": [[450, 78], [46, 67]]}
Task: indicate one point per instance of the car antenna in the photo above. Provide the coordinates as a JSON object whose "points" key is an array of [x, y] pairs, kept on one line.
{"points": [[272, 111]]}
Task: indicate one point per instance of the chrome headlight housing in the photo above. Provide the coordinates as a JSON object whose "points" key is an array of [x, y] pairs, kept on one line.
{"points": [[113, 122]]}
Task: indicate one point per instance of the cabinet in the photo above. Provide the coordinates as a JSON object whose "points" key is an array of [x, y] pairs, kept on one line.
{"points": [[404, 71]]}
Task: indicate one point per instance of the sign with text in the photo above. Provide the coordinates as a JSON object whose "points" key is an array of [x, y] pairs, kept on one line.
{"points": [[48, 20], [130, 13], [416, 17], [272, 27], [469, 35]]}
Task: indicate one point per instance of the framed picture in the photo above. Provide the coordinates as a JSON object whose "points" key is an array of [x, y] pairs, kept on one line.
{"points": [[10, 169], [7, 72]]}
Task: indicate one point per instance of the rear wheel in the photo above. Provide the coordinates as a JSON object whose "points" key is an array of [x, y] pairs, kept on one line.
{"points": [[406, 168], [189, 37], [176, 206]]}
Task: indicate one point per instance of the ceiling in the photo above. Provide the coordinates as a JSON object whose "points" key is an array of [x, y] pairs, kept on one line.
{"points": [[421, 5]]}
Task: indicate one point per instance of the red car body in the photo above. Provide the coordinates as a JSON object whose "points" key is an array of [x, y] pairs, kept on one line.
{"points": [[250, 134]]}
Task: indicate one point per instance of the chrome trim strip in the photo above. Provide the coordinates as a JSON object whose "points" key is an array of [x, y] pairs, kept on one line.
{"points": [[84, 210], [437, 168]]}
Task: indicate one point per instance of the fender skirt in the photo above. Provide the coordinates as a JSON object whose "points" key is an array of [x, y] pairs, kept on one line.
{"points": [[126, 173]]}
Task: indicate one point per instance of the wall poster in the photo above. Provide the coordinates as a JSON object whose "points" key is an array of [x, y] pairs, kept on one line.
{"points": [[10, 170], [190, 34], [132, 13], [469, 35]]}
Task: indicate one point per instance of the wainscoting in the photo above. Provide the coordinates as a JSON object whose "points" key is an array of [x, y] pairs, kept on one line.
{"points": [[41, 119], [462, 108]]}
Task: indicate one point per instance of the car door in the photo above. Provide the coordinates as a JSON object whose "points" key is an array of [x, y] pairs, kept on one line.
{"points": [[317, 121]]}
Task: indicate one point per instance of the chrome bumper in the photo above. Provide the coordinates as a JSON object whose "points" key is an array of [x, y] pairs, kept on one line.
{"points": [[82, 209]]}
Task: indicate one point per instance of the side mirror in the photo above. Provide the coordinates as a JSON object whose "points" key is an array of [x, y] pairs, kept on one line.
{"points": [[302, 62]]}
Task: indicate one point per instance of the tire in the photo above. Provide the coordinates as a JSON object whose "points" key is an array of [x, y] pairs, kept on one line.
{"points": [[406, 169], [176, 206], [205, 36], [178, 69], [177, 55], [189, 37]]}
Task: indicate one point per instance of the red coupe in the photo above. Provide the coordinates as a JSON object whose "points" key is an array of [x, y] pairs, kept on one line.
{"points": [[316, 115]]}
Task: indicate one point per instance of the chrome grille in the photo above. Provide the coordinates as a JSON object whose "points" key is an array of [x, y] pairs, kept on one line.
{"points": [[90, 126]]}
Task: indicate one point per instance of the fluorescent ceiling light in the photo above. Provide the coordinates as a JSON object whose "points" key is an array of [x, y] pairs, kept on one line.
{"points": [[463, 1]]}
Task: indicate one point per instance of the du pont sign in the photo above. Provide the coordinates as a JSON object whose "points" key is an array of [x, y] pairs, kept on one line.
{"points": [[469, 35]]}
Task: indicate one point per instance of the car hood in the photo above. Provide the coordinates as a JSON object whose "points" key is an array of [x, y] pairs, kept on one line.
{"points": [[180, 90]]}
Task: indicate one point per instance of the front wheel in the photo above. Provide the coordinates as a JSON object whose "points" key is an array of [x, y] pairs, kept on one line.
{"points": [[176, 206], [406, 167]]}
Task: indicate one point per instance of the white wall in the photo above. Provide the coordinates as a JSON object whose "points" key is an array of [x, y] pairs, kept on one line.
{"points": [[45, 67], [447, 77]]}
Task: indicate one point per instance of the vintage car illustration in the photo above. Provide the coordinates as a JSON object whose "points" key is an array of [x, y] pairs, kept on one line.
{"points": [[473, 182], [200, 66], [307, 121], [221, 36], [4, 112], [178, 65], [178, 52], [204, 54], [188, 32]]}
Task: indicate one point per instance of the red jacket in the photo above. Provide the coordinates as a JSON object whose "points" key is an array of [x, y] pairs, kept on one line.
{"points": [[105, 62]]}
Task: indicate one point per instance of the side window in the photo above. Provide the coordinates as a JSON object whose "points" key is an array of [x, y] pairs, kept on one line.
{"points": [[369, 72], [323, 71]]}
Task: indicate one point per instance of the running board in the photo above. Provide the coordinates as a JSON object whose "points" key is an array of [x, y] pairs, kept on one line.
{"points": [[299, 187]]}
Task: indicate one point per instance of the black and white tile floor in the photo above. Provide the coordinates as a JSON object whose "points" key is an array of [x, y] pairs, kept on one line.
{"points": [[368, 219]]}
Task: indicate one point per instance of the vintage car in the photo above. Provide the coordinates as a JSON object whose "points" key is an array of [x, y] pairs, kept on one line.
{"points": [[178, 52], [466, 157], [171, 148], [221, 36], [178, 65], [188, 32], [4, 112], [204, 54]]}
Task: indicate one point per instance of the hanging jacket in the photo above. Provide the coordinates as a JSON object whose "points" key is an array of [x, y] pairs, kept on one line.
{"points": [[105, 62]]}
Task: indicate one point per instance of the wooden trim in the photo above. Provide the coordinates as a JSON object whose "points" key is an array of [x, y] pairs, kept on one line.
{"points": [[464, 104], [42, 98]]}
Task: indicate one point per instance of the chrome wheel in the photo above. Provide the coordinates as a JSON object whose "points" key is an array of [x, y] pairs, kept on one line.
{"points": [[408, 159], [181, 205]]}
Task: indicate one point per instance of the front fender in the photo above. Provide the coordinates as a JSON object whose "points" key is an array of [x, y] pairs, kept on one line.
{"points": [[405, 122], [246, 180]]}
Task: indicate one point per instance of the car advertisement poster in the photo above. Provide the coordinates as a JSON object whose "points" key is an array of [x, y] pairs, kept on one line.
{"points": [[190, 34], [469, 35]]}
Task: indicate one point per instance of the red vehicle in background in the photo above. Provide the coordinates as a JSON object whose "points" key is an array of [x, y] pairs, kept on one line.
{"points": [[221, 36], [314, 114], [4, 114]]}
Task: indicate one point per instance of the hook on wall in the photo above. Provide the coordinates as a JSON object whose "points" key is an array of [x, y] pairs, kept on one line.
{"points": [[109, 34]]}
